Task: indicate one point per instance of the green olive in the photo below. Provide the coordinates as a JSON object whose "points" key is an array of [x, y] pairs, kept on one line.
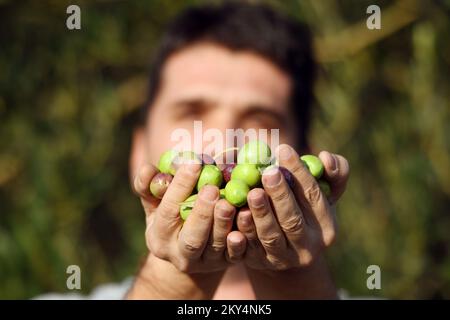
{"points": [[236, 192], [185, 211], [166, 161], [255, 152], [248, 173], [187, 206], [314, 165], [210, 175]]}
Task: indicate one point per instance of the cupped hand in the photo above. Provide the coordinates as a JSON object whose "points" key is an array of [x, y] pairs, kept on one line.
{"points": [[287, 228], [204, 242]]}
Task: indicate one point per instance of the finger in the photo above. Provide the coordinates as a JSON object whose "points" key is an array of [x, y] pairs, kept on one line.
{"points": [[267, 227], [224, 214], [141, 186], [236, 244], [194, 235], [312, 201], [245, 224], [289, 214], [336, 173], [167, 219]]}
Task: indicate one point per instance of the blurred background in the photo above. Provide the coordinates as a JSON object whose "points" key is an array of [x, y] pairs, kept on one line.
{"points": [[68, 100]]}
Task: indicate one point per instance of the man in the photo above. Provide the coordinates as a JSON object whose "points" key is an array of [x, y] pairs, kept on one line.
{"points": [[235, 66]]}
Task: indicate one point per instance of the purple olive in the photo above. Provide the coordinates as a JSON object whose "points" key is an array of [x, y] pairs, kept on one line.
{"points": [[226, 171], [207, 159], [159, 184], [288, 177]]}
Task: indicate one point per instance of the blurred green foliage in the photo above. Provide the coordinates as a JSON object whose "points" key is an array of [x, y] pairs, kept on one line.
{"points": [[66, 100]]}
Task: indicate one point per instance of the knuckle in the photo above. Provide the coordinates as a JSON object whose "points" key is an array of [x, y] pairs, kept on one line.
{"points": [[217, 247], [182, 182], [329, 237], [183, 265], [278, 264], [245, 228], [248, 230], [298, 169], [222, 225], [294, 225], [260, 213], [159, 252], [191, 246], [282, 194], [302, 174], [272, 241], [306, 259], [202, 213], [313, 194], [169, 207]]}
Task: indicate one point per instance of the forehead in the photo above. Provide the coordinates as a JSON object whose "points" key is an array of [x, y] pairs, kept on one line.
{"points": [[210, 69]]}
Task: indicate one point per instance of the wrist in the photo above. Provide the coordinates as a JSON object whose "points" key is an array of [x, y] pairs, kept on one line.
{"points": [[159, 279], [311, 282]]}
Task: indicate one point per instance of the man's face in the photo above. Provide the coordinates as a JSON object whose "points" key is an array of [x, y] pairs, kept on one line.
{"points": [[221, 88]]}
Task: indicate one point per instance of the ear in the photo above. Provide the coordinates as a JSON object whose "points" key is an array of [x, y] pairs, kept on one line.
{"points": [[138, 154]]}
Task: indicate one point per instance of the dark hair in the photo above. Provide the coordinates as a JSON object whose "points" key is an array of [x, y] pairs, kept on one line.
{"points": [[248, 27]]}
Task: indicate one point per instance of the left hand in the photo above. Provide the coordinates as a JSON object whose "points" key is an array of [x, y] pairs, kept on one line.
{"points": [[287, 228]]}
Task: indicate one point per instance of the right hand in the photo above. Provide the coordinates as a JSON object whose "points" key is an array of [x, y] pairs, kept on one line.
{"points": [[204, 242]]}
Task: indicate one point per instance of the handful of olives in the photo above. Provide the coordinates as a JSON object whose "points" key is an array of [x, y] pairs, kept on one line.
{"points": [[234, 180]]}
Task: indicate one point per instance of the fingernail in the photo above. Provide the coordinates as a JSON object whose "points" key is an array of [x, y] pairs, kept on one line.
{"points": [[272, 177], [332, 161], [257, 201], [284, 152], [235, 241], [209, 193]]}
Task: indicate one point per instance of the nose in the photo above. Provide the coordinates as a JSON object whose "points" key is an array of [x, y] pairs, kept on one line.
{"points": [[218, 133]]}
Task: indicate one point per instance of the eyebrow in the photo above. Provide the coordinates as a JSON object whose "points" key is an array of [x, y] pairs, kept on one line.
{"points": [[194, 102], [259, 109]]}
